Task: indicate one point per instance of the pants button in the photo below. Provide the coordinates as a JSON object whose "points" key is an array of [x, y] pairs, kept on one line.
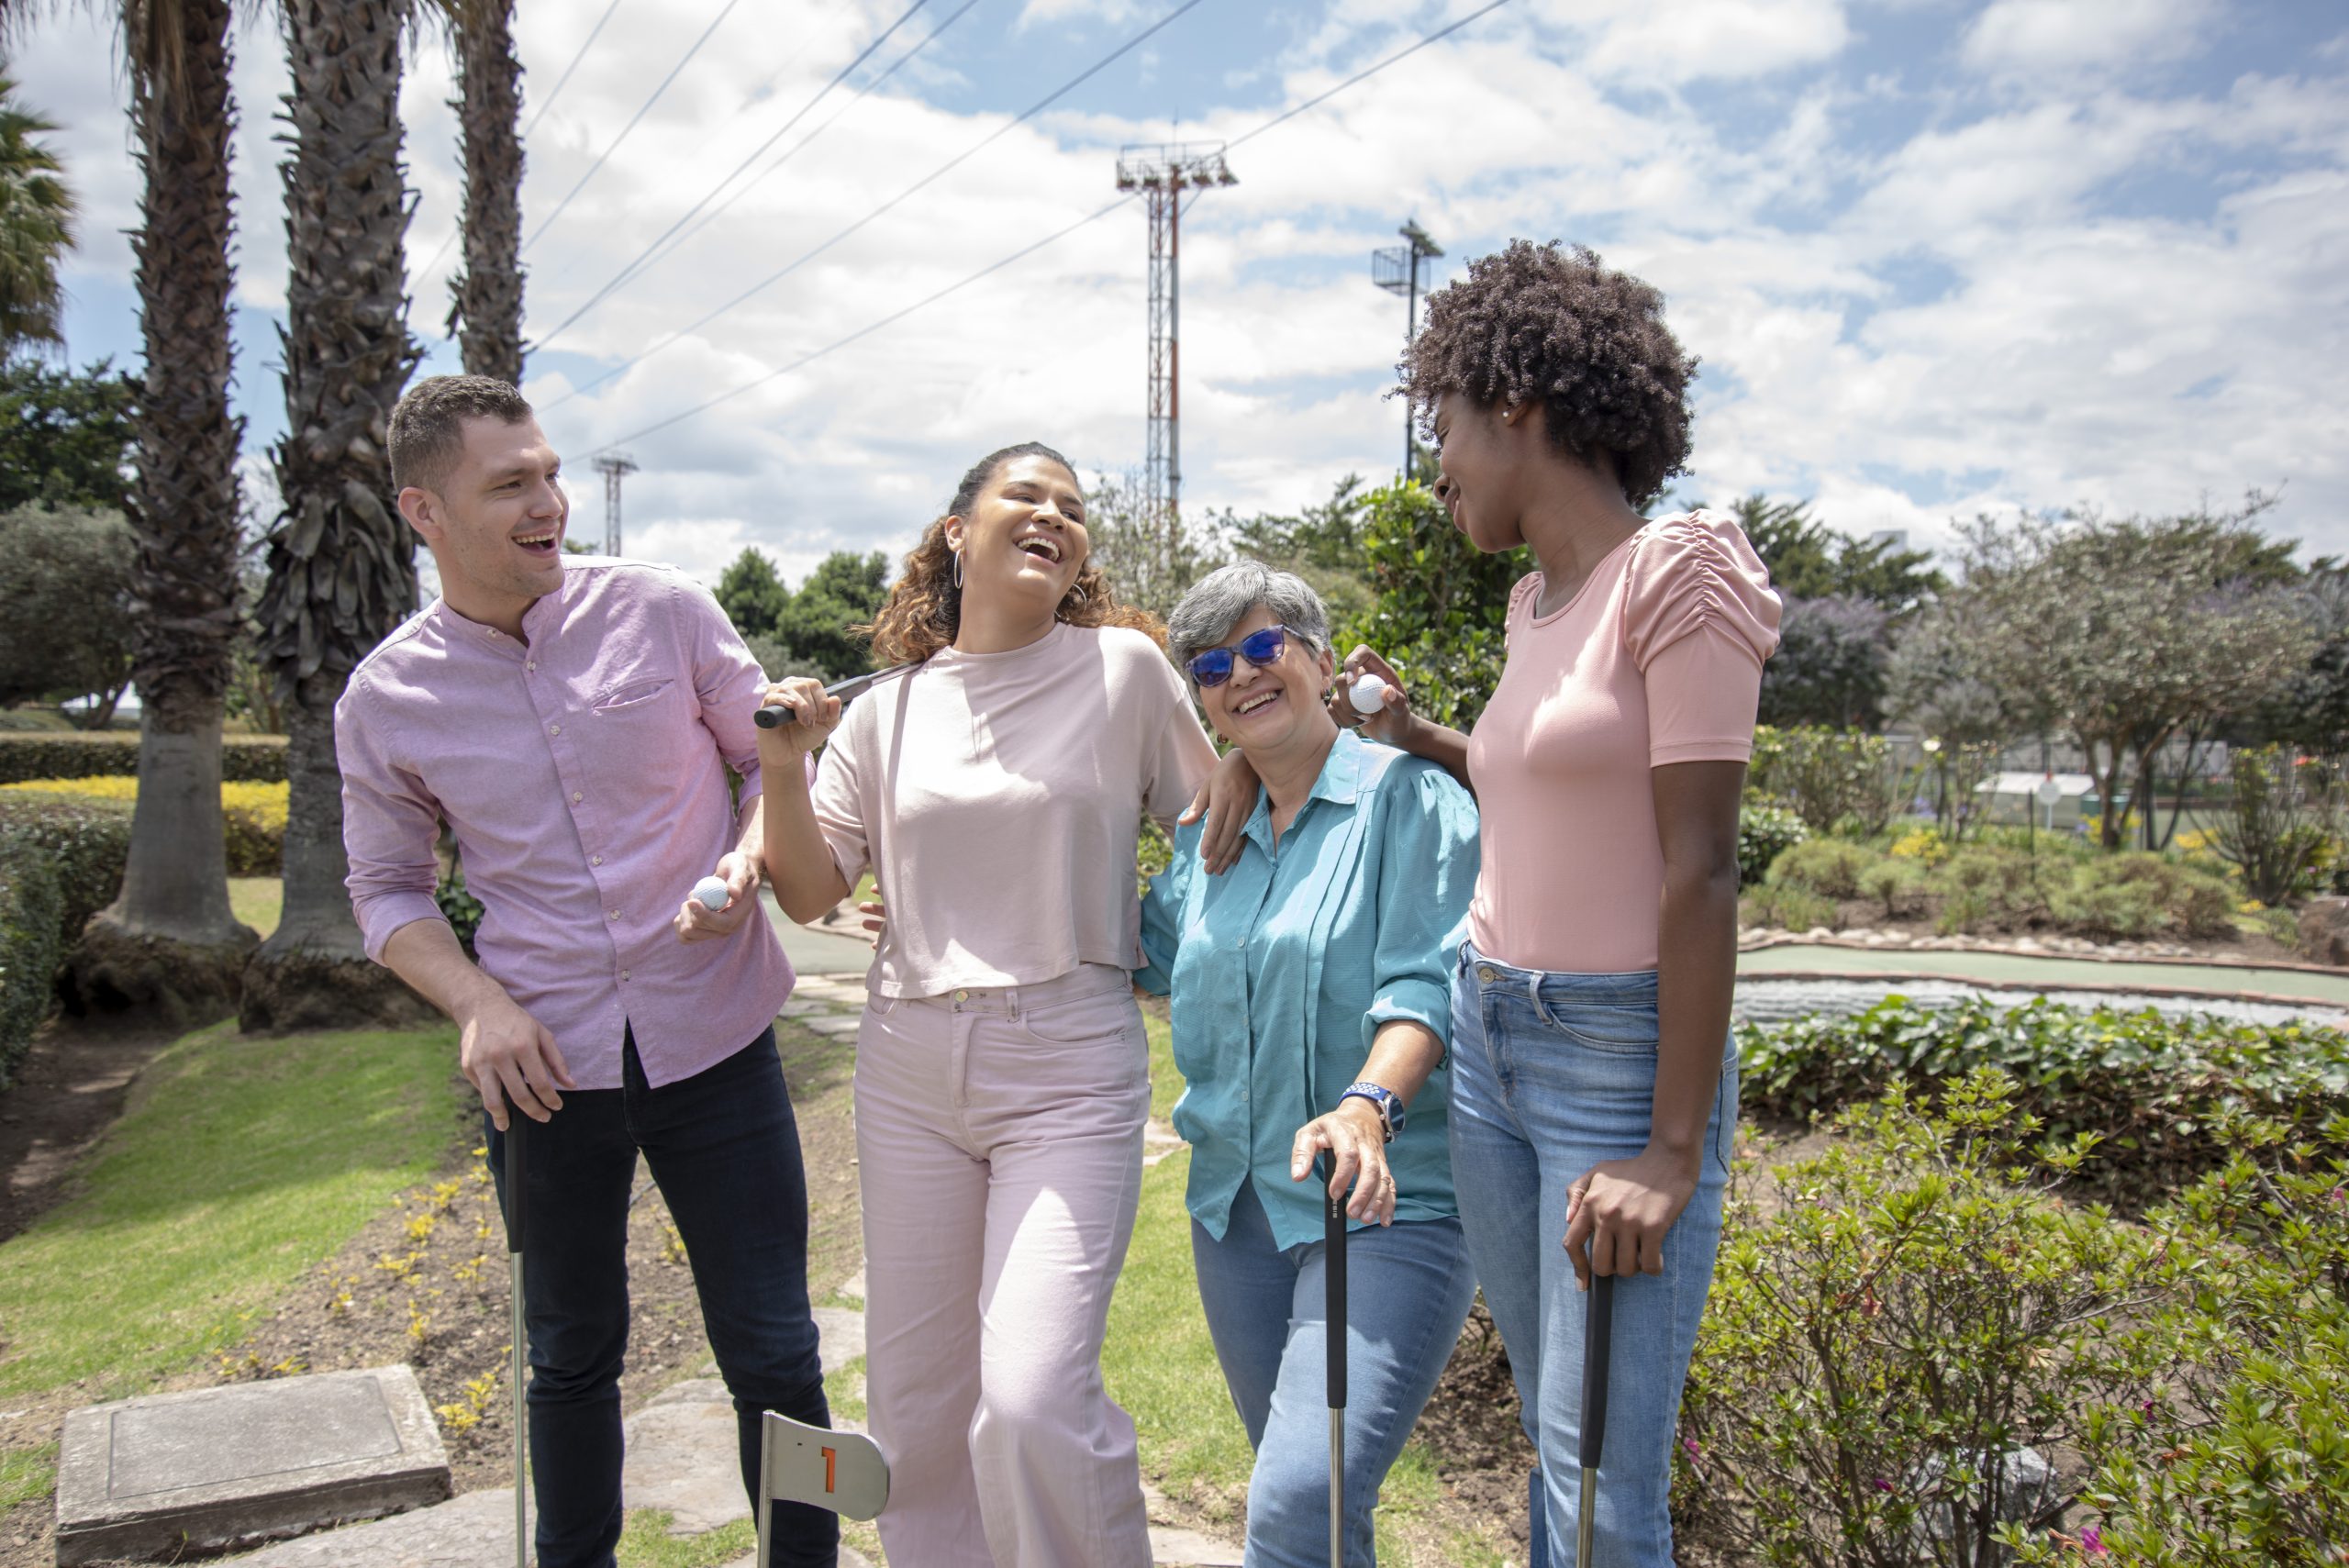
{"points": [[1487, 973]]}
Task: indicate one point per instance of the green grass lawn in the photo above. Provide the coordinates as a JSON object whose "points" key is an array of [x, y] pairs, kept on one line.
{"points": [[239, 1165]]}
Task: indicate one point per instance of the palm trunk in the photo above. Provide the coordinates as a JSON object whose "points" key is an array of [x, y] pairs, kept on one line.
{"points": [[168, 940], [341, 563], [487, 309]]}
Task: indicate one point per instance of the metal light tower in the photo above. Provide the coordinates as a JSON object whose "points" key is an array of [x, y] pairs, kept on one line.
{"points": [[1403, 269], [615, 467], [1162, 174]]}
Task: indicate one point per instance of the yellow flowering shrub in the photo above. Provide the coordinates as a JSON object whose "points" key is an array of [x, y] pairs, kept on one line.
{"points": [[1921, 844], [253, 815]]}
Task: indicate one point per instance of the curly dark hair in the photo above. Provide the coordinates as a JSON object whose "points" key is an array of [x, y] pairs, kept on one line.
{"points": [[924, 609], [1538, 321]]}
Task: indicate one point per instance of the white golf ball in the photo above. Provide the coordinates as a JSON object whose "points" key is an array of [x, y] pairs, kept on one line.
{"points": [[1368, 695], [712, 890]]}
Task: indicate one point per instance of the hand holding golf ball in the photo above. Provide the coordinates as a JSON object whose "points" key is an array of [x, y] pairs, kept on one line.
{"points": [[1368, 693], [713, 891], [719, 903]]}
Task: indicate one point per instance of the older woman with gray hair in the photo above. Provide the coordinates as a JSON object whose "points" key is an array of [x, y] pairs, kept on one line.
{"points": [[1311, 1003]]}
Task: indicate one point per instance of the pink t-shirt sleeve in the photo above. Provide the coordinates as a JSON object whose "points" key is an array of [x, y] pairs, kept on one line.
{"points": [[839, 799], [1183, 755], [1699, 619]]}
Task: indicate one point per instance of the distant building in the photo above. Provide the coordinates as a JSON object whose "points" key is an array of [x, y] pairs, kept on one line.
{"points": [[2012, 799]]}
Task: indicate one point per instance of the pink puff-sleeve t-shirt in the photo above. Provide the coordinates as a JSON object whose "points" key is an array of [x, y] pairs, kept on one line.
{"points": [[1657, 660], [998, 797]]}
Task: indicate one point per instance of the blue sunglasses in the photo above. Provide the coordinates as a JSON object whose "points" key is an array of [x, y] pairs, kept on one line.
{"points": [[1259, 648]]}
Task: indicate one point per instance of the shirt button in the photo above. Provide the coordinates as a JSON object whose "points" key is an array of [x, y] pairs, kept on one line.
{"points": [[533, 666], [576, 797], [616, 913], [1243, 1097], [597, 859], [554, 729], [623, 975]]}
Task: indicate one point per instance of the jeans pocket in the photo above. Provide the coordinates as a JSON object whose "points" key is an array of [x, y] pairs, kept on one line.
{"points": [[1615, 1028]]}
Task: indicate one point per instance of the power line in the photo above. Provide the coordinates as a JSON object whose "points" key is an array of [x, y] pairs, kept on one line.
{"points": [[871, 327], [536, 116], [723, 12], [786, 270], [622, 276], [1024, 252], [792, 152]]}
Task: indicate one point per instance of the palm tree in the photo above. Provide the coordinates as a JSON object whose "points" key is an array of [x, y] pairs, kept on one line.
{"points": [[170, 939], [486, 310], [36, 227], [341, 563]]}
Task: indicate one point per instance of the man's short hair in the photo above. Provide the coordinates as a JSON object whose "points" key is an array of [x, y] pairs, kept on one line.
{"points": [[428, 424]]}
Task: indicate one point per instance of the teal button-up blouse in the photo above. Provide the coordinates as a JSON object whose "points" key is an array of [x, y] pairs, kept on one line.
{"points": [[1282, 968]]}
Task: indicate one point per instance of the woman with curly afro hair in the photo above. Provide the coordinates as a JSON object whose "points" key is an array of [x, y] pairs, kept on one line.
{"points": [[1593, 1092], [997, 788]]}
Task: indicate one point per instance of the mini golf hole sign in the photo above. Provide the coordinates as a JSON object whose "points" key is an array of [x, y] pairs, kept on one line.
{"points": [[840, 1470]]}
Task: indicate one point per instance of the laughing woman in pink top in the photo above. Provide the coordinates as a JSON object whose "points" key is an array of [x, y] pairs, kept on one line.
{"points": [[1002, 1079], [1595, 1080]]}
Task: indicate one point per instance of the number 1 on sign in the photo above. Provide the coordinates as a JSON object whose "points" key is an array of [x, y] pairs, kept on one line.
{"points": [[832, 1466]]}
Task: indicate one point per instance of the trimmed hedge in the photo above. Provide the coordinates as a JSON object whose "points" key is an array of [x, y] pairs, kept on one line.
{"points": [[85, 755], [252, 816], [2152, 1088], [61, 862]]}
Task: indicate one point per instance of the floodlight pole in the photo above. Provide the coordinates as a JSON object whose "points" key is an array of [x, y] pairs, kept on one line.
{"points": [[1160, 173], [1402, 269], [615, 467]]}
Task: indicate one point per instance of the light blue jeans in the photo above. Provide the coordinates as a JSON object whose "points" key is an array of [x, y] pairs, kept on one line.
{"points": [[1552, 1073], [1408, 1289]]}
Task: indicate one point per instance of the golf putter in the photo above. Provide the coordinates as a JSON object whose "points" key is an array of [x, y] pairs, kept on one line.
{"points": [[1598, 1337], [772, 715], [1334, 1226], [844, 1472], [514, 1211]]}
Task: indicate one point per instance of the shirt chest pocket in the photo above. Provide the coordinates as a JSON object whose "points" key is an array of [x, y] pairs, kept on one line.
{"points": [[632, 696]]}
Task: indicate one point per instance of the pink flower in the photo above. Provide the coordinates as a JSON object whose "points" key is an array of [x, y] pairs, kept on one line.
{"points": [[2092, 1541], [1882, 1485], [1691, 1444]]}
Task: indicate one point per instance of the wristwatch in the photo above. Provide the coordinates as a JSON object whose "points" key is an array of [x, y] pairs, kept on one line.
{"points": [[1390, 1108]]}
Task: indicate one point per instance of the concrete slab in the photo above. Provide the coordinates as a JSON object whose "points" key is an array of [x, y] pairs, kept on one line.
{"points": [[833, 1023], [475, 1530], [683, 1455], [218, 1468], [840, 1331]]}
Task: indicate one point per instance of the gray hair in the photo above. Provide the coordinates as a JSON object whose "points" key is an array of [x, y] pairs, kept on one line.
{"points": [[1221, 599]]}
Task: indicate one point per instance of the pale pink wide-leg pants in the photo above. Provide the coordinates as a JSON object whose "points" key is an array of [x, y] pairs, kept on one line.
{"points": [[998, 1136]]}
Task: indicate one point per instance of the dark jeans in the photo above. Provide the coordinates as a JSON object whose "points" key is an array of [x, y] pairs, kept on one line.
{"points": [[723, 1148]]}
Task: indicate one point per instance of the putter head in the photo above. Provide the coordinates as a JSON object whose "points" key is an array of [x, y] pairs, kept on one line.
{"points": [[840, 1470]]}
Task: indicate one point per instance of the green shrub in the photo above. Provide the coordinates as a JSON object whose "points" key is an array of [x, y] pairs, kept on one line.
{"points": [[1899, 1321], [1765, 831], [2148, 1084], [1889, 883], [1987, 884], [1788, 906], [1836, 780], [61, 862], [2241, 1455], [463, 910], [1829, 867], [83, 754]]}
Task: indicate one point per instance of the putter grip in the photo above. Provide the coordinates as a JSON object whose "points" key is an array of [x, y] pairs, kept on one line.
{"points": [[774, 715], [516, 1144], [1597, 1345], [1334, 1229]]}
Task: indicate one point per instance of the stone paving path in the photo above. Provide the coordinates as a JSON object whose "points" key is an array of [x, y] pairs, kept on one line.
{"points": [[681, 1446]]}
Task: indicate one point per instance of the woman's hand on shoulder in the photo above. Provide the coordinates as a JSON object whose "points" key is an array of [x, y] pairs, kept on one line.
{"points": [[1393, 720], [817, 716], [1227, 800], [1355, 1135]]}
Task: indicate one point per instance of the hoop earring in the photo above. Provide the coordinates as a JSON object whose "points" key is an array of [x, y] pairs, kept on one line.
{"points": [[1076, 593], [958, 571]]}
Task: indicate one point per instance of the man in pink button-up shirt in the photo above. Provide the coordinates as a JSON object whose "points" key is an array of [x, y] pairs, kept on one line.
{"points": [[573, 721]]}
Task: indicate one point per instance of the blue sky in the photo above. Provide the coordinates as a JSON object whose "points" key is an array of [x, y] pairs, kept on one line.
{"points": [[1937, 258]]}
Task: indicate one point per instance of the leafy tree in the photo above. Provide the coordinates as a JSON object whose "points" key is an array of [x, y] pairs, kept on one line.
{"points": [[1150, 558], [845, 591], [1938, 679], [65, 607], [1807, 560], [1441, 611], [1832, 664], [37, 209], [2129, 632], [1322, 544], [67, 439], [752, 594]]}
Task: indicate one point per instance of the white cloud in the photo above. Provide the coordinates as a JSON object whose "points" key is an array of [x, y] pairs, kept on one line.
{"points": [[2046, 37]]}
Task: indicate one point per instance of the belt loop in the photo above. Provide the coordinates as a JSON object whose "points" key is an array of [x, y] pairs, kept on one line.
{"points": [[1012, 1000]]}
